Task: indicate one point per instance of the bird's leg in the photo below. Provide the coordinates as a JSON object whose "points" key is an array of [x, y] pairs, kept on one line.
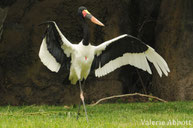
{"points": [[78, 113], [82, 98]]}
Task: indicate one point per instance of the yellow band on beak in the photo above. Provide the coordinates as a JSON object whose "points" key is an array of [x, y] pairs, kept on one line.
{"points": [[87, 11]]}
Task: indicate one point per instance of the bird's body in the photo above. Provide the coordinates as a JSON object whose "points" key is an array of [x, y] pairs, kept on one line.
{"points": [[80, 59]]}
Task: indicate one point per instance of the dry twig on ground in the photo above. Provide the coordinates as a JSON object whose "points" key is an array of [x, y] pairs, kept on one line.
{"points": [[124, 95]]}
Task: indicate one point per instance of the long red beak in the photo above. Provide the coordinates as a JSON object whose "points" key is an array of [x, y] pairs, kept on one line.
{"points": [[96, 21], [87, 14]]}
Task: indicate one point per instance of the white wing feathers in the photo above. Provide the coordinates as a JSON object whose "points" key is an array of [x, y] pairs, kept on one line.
{"points": [[138, 60], [159, 63], [47, 59]]}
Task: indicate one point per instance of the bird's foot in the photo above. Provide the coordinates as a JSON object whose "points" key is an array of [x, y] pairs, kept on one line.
{"points": [[81, 96]]}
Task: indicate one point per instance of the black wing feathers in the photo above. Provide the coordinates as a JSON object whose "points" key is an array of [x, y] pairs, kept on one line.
{"points": [[127, 44], [54, 42]]}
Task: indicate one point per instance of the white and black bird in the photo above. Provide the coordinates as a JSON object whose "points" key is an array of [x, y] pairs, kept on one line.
{"points": [[80, 59]]}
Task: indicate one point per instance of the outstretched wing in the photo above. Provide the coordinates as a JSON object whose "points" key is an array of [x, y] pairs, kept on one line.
{"points": [[55, 49], [124, 50]]}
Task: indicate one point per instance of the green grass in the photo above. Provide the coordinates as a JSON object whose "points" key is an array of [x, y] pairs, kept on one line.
{"points": [[100, 116]]}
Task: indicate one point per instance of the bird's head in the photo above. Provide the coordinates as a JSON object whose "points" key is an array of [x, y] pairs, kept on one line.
{"points": [[84, 13]]}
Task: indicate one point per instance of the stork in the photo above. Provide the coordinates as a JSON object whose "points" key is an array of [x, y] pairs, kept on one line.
{"points": [[80, 59]]}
